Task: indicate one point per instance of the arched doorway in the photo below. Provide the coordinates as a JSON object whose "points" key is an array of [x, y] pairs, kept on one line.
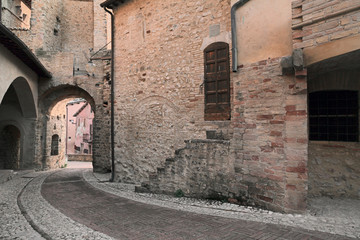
{"points": [[17, 126], [10, 147]]}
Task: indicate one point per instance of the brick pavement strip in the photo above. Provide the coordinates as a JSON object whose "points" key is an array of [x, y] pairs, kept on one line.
{"points": [[122, 218]]}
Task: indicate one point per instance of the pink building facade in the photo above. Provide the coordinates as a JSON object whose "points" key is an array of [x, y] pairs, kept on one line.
{"points": [[79, 128]]}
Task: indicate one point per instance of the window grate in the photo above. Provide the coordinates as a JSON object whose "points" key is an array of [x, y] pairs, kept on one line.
{"points": [[333, 116]]}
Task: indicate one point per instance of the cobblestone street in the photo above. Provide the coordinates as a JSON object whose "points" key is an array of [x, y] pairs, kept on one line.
{"points": [[68, 204]]}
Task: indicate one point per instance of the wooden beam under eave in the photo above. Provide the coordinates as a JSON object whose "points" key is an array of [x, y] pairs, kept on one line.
{"points": [[331, 49]]}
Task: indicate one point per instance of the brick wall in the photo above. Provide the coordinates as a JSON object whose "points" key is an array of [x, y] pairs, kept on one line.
{"points": [[270, 136], [327, 30], [321, 21]]}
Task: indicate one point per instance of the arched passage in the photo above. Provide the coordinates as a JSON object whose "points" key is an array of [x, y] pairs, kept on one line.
{"points": [[51, 121], [17, 126]]}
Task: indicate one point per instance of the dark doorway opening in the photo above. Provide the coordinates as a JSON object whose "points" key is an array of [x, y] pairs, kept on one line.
{"points": [[10, 147]]}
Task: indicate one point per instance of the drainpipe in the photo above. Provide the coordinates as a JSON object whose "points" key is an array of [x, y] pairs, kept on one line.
{"points": [[112, 97], [233, 33], [0, 11]]}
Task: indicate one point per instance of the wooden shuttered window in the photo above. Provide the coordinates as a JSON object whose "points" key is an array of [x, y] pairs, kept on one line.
{"points": [[217, 82]]}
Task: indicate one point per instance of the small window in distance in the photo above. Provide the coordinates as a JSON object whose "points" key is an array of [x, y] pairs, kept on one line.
{"points": [[333, 116], [217, 82], [55, 145]]}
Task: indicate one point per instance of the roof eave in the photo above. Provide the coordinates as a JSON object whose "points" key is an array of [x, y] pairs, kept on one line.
{"points": [[28, 56]]}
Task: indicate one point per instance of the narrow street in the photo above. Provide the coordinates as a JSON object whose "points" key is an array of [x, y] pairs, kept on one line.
{"points": [[75, 203], [126, 219]]}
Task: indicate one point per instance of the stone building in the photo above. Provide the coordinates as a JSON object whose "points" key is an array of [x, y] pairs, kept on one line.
{"points": [[74, 50], [252, 100], [79, 130], [20, 74]]}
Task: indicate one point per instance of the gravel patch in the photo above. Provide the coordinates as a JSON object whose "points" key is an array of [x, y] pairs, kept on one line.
{"points": [[343, 223]]}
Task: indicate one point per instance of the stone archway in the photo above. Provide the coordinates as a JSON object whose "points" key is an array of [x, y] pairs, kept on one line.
{"points": [[18, 113], [101, 133], [10, 147]]}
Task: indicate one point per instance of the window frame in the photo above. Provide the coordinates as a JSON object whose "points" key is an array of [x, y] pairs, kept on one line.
{"points": [[220, 110], [55, 139]]}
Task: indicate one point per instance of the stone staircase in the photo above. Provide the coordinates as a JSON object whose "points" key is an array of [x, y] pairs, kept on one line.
{"points": [[201, 169]]}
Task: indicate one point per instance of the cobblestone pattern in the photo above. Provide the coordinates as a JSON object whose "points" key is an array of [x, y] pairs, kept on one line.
{"points": [[13, 224], [324, 31], [48, 219]]}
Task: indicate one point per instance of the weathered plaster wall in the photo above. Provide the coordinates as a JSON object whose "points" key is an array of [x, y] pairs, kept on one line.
{"points": [[23, 113], [263, 30], [15, 14], [16, 69]]}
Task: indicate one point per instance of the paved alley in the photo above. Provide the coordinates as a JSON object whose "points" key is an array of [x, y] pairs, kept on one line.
{"points": [[68, 204]]}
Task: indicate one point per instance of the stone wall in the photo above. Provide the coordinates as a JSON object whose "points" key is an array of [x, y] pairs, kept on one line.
{"points": [[334, 169], [261, 157], [265, 161], [159, 76], [63, 37], [80, 157], [77, 27], [56, 125], [201, 169]]}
